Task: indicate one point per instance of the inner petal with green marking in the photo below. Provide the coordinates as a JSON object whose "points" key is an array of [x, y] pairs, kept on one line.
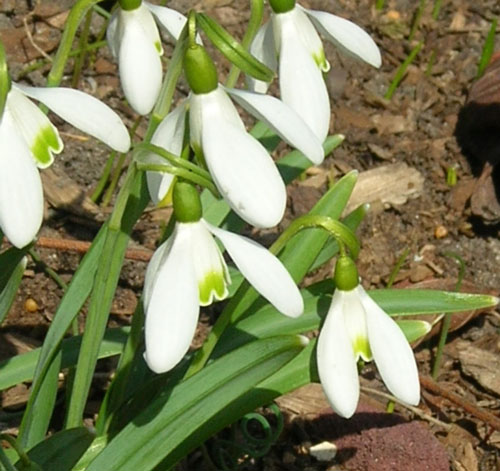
{"points": [[213, 286], [40, 134]]}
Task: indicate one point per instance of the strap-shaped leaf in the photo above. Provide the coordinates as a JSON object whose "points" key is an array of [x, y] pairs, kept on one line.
{"points": [[21, 368], [12, 263], [183, 417], [60, 451], [233, 50]]}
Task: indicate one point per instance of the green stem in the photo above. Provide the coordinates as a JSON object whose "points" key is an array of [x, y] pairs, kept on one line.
{"points": [[83, 43], [257, 10], [181, 162], [402, 70], [38, 260], [19, 450], [75, 16], [101, 184], [180, 172], [167, 91], [114, 180], [4, 79], [436, 9], [339, 231], [447, 317], [416, 22]]}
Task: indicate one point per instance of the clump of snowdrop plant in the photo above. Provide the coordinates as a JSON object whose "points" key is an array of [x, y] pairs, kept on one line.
{"points": [[165, 398]]}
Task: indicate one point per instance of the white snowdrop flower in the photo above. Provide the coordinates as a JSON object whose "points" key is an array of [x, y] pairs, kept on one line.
{"points": [[290, 44], [29, 140], [355, 327], [135, 42]]}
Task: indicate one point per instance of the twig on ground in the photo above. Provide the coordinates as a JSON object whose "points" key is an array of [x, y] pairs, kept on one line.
{"points": [[413, 409]]}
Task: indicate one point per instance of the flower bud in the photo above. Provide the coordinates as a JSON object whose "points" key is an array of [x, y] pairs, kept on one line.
{"points": [[200, 70], [282, 6], [129, 5], [187, 203], [346, 275]]}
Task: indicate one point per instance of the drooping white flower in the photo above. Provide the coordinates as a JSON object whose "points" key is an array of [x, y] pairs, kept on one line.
{"points": [[241, 167], [188, 270], [290, 43], [29, 140], [135, 42], [355, 327]]}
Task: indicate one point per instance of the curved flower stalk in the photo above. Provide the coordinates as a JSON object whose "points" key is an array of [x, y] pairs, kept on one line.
{"points": [[355, 327], [290, 43], [135, 42], [29, 140], [188, 270], [241, 167]]}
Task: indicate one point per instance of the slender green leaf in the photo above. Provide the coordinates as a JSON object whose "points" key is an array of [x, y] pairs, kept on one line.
{"points": [[10, 285], [188, 414], [414, 329], [61, 451], [69, 307], [233, 50], [488, 48], [21, 368], [267, 321], [106, 280]]}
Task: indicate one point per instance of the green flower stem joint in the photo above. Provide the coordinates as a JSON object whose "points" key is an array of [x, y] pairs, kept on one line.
{"points": [[282, 6], [129, 5], [200, 70], [345, 276], [186, 201]]}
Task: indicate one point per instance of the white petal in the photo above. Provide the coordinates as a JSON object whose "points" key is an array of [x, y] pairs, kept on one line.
{"points": [[113, 34], [243, 171], [337, 367], [21, 195], [154, 264], [304, 31], [213, 105], [140, 68], [283, 120], [172, 312], [263, 49], [301, 82], [392, 353], [169, 135], [39, 133], [85, 113], [264, 272], [355, 323], [347, 36], [171, 20]]}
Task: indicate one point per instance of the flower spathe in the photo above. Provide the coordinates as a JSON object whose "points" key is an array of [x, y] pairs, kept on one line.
{"points": [[135, 42], [241, 167], [290, 43], [29, 140], [188, 270], [355, 327]]}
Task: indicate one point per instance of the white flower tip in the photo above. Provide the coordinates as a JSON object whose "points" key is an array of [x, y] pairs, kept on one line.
{"points": [[158, 363], [304, 341]]}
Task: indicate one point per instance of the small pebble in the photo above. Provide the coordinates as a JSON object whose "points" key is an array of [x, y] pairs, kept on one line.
{"points": [[440, 232], [30, 305], [324, 451]]}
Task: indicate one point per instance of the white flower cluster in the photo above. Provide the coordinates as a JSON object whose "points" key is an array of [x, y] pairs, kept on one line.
{"points": [[188, 270]]}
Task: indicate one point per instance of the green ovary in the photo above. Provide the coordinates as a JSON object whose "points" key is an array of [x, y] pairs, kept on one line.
{"points": [[212, 286], [362, 348], [46, 142]]}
